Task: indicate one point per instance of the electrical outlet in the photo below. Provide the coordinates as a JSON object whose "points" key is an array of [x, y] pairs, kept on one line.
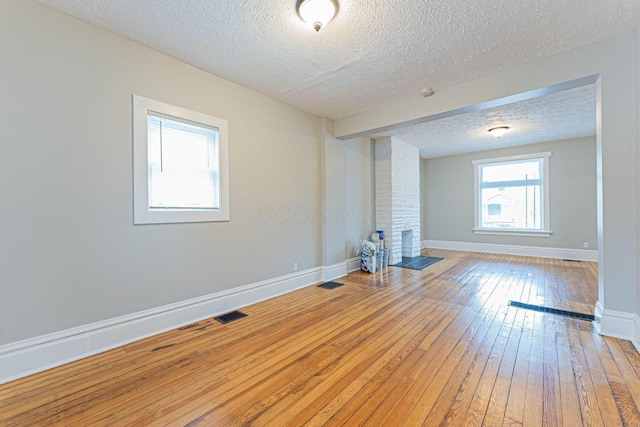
{"points": [[585, 245], [295, 266]]}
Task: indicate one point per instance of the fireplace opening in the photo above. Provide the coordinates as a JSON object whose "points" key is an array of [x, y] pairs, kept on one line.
{"points": [[407, 243]]}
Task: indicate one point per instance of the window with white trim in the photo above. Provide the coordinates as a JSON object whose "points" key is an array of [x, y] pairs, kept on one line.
{"points": [[180, 164], [512, 195]]}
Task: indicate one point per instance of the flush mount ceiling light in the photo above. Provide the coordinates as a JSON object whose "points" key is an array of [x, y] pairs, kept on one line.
{"points": [[498, 131], [317, 12]]}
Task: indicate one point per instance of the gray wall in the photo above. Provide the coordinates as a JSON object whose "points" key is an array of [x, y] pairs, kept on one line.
{"points": [[69, 253], [358, 193], [447, 187], [331, 162], [637, 168]]}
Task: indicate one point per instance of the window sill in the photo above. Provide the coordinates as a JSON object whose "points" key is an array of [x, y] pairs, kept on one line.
{"points": [[521, 233]]}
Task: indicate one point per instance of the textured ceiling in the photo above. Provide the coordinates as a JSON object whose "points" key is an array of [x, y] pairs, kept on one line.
{"points": [[562, 115], [375, 52]]}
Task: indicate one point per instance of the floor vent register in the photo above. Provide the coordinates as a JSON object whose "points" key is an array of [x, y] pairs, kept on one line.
{"points": [[551, 310], [230, 317], [330, 285]]}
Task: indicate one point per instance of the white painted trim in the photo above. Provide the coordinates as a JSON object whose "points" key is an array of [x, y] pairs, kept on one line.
{"points": [[636, 332], [521, 233], [598, 316], [544, 187], [546, 154], [141, 107], [536, 251], [613, 323], [37, 354], [353, 264], [334, 271]]}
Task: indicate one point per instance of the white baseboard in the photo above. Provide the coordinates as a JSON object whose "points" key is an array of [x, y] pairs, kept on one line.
{"points": [[535, 251], [38, 354], [636, 332], [613, 323], [334, 271], [353, 264]]}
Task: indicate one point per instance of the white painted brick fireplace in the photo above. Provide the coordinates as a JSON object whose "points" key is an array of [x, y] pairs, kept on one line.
{"points": [[397, 171]]}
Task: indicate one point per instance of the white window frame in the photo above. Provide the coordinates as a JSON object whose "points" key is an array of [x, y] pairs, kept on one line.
{"points": [[142, 107], [477, 205]]}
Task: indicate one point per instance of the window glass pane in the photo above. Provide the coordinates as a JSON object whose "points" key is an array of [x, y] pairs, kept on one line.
{"points": [[511, 171], [512, 208], [183, 165]]}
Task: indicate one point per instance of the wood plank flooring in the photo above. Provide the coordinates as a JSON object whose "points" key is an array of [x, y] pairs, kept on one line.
{"points": [[397, 348]]}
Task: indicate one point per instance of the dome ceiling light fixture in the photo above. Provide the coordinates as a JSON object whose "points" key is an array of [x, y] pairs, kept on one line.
{"points": [[498, 131], [317, 12]]}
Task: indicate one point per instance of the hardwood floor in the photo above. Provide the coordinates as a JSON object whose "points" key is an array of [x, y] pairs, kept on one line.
{"points": [[402, 347]]}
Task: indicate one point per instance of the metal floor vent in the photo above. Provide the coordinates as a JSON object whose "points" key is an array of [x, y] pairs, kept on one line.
{"points": [[230, 317], [330, 285], [550, 310]]}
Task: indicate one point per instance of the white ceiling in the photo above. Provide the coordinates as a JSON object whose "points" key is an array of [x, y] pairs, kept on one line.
{"points": [[375, 52], [561, 115]]}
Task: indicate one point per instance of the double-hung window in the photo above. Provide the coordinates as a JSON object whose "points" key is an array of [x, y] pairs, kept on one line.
{"points": [[512, 195], [180, 164]]}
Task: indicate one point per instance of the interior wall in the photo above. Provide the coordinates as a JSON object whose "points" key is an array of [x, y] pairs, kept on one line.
{"points": [[358, 193], [637, 168], [448, 187], [332, 208], [423, 202], [69, 252]]}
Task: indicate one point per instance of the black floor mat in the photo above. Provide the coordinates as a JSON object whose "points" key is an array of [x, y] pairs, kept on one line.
{"points": [[330, 285], [418, 262], [230, 317], [551, 310]]}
